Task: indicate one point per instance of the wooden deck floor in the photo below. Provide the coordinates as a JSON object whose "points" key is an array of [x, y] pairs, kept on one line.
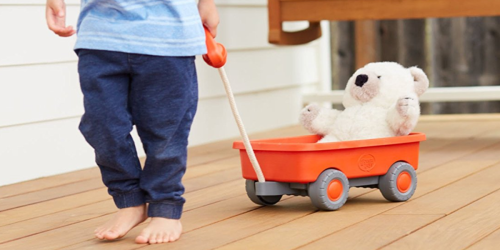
{"points": [[456, 205]]}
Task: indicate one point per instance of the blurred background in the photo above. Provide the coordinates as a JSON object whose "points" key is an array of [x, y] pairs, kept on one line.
{"points": [[452, 51]]}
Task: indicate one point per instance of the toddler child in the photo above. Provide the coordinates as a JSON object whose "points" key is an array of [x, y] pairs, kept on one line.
{"points": [[136, 67]]}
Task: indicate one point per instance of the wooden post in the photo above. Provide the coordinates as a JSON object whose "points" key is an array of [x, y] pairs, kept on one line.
{"points": [[460, 58], [274, 17], [342, 47], [403, 41], [443, 57], [411, 44], [473, 50], [411, 48], [278, 36], [367, 44], [491, 69], [389, 41]]}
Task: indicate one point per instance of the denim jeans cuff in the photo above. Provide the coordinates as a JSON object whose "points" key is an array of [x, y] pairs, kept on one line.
{"points": [[131, 199], [165, 210]]}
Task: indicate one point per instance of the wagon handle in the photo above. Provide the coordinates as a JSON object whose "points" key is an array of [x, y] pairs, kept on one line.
{"points": [[216, 57], [216, 53]]}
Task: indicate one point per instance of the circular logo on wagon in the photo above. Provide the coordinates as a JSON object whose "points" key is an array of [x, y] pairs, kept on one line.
{"points": [[366, 162]]}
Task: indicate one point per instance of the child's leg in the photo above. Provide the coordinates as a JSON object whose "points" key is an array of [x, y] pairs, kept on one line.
{"points": [[164, 95], [106, 125]]}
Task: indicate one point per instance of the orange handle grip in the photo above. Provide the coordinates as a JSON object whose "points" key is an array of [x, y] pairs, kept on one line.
{"points": [[216, 53]]}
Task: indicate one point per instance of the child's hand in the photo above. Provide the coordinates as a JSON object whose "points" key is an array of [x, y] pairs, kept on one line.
{"points": [[209, 15], [56, 18]]}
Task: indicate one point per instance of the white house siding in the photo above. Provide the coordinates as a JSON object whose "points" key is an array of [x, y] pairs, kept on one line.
{"points": [[41, 102]]}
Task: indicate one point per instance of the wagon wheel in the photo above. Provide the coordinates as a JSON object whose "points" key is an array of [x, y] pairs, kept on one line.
{"points": [[330, 190], [259, 199], [399, 183]]}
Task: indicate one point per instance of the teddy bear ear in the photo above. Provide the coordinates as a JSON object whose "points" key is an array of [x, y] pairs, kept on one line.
{"points": [[421, 80]]}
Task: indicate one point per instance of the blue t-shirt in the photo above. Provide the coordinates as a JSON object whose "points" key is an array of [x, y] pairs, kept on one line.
{"points": [[152, 27]]}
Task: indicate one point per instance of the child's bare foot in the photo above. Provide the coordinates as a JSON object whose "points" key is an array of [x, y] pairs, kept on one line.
{"points": [[124, 220], [160, 230]]}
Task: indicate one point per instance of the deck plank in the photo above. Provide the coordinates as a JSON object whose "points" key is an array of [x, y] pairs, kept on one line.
{"points": [[25, 207], [375, 232], [103, 211], [52, 206], [457, 230], [47, 182], [414, 214], [244, 225], [49, 194], [318, 225], [487, 242], [192, 220], [197, 156], [456, 201], [53, 221]]}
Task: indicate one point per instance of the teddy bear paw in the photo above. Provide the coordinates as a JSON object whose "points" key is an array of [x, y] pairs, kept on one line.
{"points": [[407, 105], [308, 114]]}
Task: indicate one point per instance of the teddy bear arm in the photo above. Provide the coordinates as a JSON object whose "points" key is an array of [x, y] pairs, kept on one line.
{"points": [[324, 122], [402, 119]]}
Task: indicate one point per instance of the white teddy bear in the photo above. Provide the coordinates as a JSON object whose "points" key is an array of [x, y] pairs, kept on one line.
{"points": [[380, 100]]}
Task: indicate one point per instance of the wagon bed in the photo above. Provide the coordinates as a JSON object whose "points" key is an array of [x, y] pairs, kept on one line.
{"points": [[301, 160]]}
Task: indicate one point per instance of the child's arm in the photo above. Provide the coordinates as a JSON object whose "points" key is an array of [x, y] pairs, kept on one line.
{"points": [[56, 18], [209, 15]]}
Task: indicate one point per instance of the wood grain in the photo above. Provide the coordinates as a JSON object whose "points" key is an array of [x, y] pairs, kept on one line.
{"points": [[316, 10], [454, 206]]}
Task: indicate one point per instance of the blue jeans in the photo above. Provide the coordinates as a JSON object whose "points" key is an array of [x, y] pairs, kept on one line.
{"points": [[158, 95]]}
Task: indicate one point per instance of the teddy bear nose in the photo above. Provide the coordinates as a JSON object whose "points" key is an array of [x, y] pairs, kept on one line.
{"points": [[361, 80]]}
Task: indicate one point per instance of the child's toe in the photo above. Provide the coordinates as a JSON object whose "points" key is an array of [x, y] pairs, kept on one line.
{"points": [[143, 238], [111, 235]]}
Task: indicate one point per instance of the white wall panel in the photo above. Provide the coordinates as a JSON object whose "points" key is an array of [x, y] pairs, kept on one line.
{"points": [[258, 70], [38, 150], [25, 38], [259, 112], [241, 28], [42, 149], [41, 92], [53, 147], [51, 91]]}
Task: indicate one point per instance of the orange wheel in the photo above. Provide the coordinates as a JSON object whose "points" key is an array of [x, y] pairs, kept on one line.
{"points": [[403, 182], [335, 190]]}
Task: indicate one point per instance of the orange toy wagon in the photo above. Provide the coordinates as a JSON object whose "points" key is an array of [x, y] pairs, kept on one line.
{"points": [[322, 171], [326, 171]]}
